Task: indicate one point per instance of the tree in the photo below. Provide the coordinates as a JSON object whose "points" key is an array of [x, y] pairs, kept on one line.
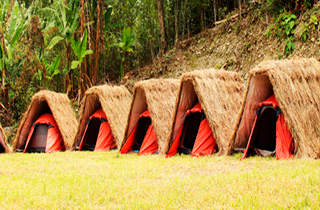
{"points": [[127, 40], [163, 38], [176, 20]]}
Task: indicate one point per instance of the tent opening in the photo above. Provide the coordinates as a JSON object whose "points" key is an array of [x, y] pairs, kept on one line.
{"points": [[38, 139], [2, 149], [143, 138], [269, 134], [195, 136], [264, 141], [91, 134], [97, 135], [44, 136], [189, 132], [143, 126], [2, 144]]}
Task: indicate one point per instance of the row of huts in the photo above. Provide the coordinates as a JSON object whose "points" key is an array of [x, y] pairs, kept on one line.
{"points": [[277, 112]]}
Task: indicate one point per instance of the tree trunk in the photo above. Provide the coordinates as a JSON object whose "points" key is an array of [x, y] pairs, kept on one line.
{"points": [[151, 48], [5, 87], [97, 53], [163, 39], [124, 64], [151, 35], [240, 9], [215, 10], [298, 8], [176, 20], [202, 17], [81, 66], [184, 17]]}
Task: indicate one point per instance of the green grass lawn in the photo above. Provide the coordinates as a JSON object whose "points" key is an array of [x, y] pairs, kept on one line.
{"points": [[87, 180]]}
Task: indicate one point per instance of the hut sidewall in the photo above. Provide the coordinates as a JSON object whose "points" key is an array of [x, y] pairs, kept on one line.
{"points": [[260, 89], [188, 99]]}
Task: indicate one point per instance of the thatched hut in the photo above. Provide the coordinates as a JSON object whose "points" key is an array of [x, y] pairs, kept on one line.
{"points": [[115, 104], [154, 100], [55, 104], [4, 148], [219, 93], [296, 88]]}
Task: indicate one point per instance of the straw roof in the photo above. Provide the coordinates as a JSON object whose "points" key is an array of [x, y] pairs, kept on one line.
{"points": [[48, 102], [3, 140], [158, 96], [296, 86], [115, 102], [220, 94]]}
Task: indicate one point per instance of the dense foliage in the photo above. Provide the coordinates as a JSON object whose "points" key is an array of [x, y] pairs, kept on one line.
{"points": [[70, 45]]}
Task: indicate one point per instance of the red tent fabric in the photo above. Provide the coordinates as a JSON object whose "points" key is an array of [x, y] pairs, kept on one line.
{"points": [[205, 143], [54, 138], [105, 140], [149, 144], [284, 140]]}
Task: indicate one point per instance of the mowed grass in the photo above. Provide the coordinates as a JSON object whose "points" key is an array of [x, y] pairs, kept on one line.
{"points": [[88, 180]]}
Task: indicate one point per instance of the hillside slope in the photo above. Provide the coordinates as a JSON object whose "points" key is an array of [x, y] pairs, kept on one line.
{"points": [[235, 45]]}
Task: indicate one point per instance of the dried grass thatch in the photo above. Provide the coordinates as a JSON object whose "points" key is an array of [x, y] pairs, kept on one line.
{"points": [[296, 86], [48, 102], [158, 96], [220, 95], [115, 102], [3, 140]]}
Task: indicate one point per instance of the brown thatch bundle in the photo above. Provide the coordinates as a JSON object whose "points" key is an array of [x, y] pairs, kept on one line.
{"points": [[158, 96], [115, 103], [48, 102], [296, 86], [220, 94], [3, 140]]}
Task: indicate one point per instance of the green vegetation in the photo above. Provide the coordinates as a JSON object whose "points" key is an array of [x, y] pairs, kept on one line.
{"points": [[69, 45], [84, 180]]}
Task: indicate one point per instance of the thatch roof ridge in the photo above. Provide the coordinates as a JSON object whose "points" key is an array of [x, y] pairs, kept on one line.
{"points": [[7, 149], [115, 102], [160, 95], [62, 112], [212, 74], [219, 92], [296, 86]]}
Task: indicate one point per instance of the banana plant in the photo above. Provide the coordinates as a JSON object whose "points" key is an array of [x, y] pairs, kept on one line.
{"points": [[127, 40], [66, 18], [53, 68], [11, 32], [11, 27], [79, 49]]}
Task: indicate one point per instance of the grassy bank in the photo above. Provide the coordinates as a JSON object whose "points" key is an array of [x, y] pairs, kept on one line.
{"points": [[86, 180]]}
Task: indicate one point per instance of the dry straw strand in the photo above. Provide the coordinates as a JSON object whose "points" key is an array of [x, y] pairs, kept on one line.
{"points": [[220, 95], [114, 101], [296, 86], [47, 101], [158, 96]]}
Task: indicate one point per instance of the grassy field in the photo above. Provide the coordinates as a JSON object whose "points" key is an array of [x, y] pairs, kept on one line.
{"points": [[87, 180]]}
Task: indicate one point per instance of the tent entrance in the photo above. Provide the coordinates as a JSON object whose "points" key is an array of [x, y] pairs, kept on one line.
{"points": [[2, 146], [189, 132], [38, 140], [143, 125], [2, 149], [264, 136], [91, 134]]}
